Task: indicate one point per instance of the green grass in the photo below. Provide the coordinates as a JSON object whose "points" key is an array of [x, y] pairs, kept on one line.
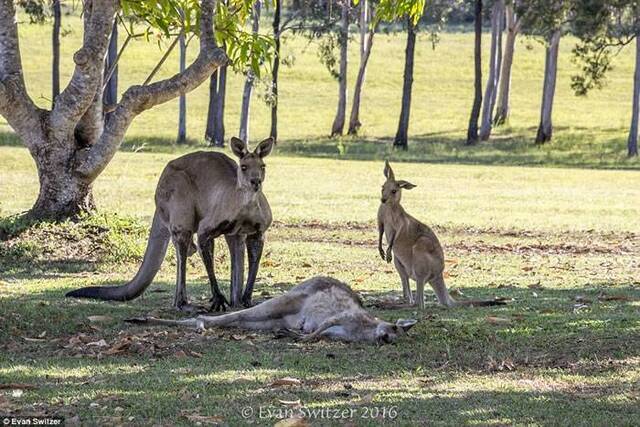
{"points": [[540, 236], [562, 243]]}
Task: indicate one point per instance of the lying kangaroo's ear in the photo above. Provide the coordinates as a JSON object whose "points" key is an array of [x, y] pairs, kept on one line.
{"points": [[388, 172], [264, 148], [239, 147], [406, 185], [406, 324]]}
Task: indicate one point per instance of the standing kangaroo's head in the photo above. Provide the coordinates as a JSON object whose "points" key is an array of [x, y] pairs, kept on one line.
{"points": [[252, 169], [391, 189]]}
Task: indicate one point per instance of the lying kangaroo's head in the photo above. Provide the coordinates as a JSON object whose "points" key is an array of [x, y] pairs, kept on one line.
{"points": [[387, 333], [391, 188], [252, 169]]}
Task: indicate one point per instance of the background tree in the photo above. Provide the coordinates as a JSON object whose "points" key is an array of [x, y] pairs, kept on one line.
{"points": [[72, 143], [343, 40], [497, 15], [367, 31], [249, 80], [472, 130], [182, 107], [512, 25], [110, 96]]}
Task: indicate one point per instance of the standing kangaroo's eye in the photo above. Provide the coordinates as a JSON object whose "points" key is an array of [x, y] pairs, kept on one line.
{"points": [[263, 167], [243, 167], [394, 191]]}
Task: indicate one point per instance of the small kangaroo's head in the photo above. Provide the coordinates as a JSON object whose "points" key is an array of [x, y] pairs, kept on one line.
{"points": [[251, 172], [388, 333], [391, 189]]}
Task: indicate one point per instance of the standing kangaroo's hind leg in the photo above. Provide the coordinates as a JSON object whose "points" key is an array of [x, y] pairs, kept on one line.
{"points": [[404, 278], [206, 244], [181, 240], [255, 244]]}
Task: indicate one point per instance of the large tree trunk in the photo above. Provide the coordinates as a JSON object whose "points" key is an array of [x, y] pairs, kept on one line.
{"points": [[338, 122], [73, 143], [110, 96], [215, 114], [402, 135], [182, 108], [472, 131], [513, 27], [243, 134], [492, 81], [545, 128], [55, 42], [632, 143], [366, 43], [275, 70]]}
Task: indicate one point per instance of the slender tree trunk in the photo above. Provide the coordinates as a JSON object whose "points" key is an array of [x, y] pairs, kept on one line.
{"points": [[494, 96], [243, 133], [366, 44], [545, 128], [402, 135], [110, 95], [55, 41], [211, 110], [492, 81], [472, 131], [220, 105], [182, 111], [632, 143], [338, 123], [275, 70], [513, 27]]}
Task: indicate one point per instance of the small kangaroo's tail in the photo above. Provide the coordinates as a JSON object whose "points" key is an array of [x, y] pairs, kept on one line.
{"points": [[156, 249]]}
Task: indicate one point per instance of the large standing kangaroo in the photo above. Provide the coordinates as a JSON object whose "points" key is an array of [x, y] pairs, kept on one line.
{"points": [[417, 253], [205, 193]]}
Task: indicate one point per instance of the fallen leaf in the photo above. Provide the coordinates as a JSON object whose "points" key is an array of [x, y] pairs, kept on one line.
{"points": [[101, 343], [203, 419], [28, 339], [292, 422], [527, 268], [99, 319], [306, 265], [180, 354], [604, 297], [238, 337], [286, 381], [494, 320], [535, 286], [367, 398], [290, 402]]}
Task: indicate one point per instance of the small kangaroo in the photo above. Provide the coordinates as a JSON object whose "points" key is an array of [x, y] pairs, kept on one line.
{"points": [[318, 307], [205, 193], [418, 253]]}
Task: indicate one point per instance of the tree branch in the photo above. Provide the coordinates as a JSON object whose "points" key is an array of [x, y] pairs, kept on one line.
{"points": [[136, 99], [15, 104], [78, 96]]}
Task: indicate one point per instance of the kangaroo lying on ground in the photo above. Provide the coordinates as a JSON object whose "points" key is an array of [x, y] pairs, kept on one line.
{"points": [[208, 194], [318, 307], [418, 253]]}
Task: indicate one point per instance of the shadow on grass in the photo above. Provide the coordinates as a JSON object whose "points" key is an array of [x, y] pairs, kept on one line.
{"points": [[575, 147]]}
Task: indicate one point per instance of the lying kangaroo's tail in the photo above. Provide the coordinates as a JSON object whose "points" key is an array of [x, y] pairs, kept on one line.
{"points": [[156, 249]]}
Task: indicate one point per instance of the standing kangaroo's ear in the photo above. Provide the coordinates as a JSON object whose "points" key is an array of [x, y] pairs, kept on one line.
{"points": [[405, 324], [239, 147], [405, 184], [264, 148], [388, 172]]}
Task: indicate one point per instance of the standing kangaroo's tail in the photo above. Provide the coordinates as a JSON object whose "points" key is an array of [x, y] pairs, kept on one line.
{"points": [[156, 249]]}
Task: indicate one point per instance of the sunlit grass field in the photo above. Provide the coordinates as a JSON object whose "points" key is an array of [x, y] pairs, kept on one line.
{"points": [[561, 243]]}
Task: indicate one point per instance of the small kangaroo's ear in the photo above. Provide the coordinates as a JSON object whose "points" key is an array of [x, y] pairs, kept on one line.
{"points": [[406, 185], [239, 147], [388, 172], [406, 324], [264, 148]]}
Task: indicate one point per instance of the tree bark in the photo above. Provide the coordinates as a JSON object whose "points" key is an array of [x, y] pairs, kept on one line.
{"points": [[55, 42], [182, 108], [275, 70], [72, 144], [632, 142], [513, 27], [492, 80], [402, 135], [472, 131], [243, 133], [110, 96], [545, 128], [366, 44], [338, 122]]}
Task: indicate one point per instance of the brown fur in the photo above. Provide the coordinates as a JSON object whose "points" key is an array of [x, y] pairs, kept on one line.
{"points": [[318, 307], [207, 194], [417, 253]]}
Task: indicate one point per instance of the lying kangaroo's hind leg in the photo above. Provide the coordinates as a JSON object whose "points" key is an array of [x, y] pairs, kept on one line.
{"points": [[254, 243], [206, 243]]}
